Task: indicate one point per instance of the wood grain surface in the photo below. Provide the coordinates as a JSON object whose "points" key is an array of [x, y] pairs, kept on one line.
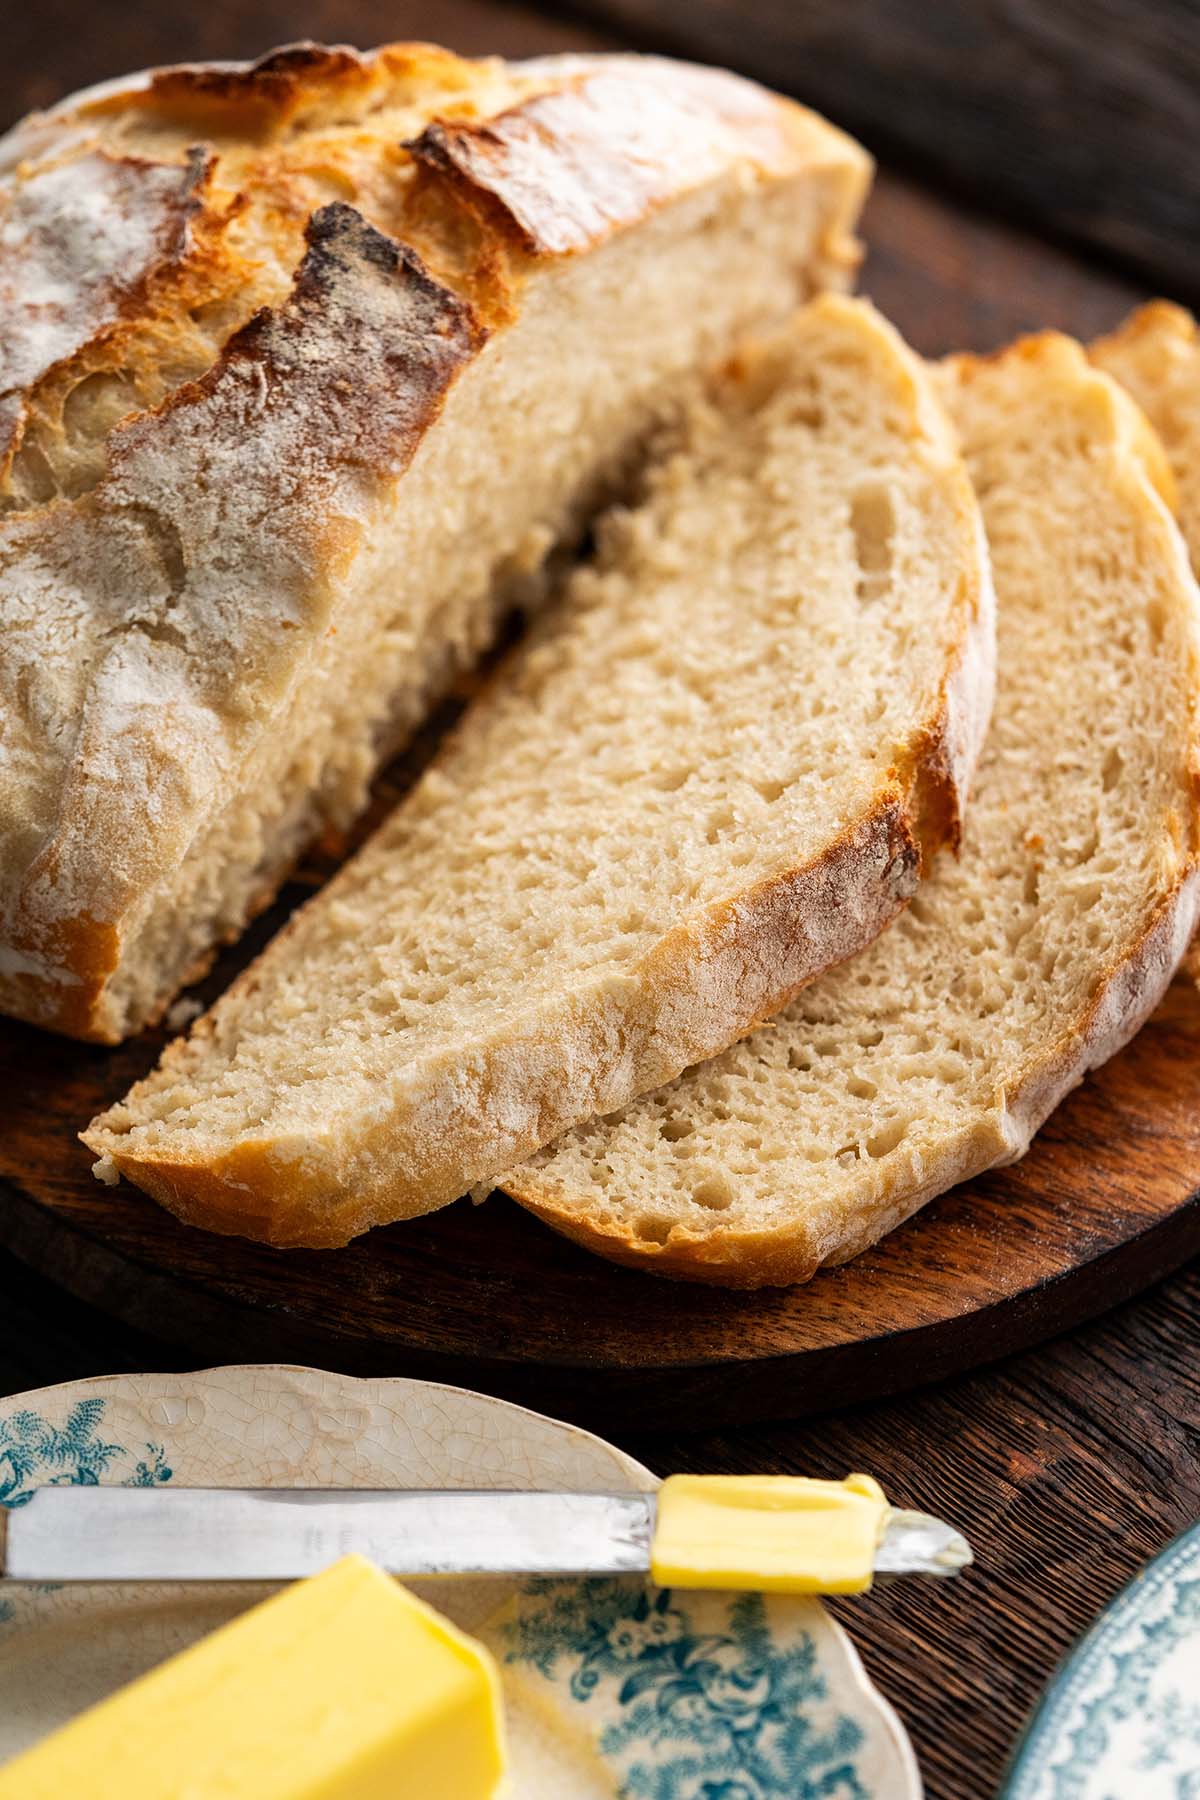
{"points": [[1073, 115], [1067, 1465], [488, 1297]]}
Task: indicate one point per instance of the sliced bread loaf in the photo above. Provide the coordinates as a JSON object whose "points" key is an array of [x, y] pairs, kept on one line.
{"points": [[304, 367], [939, 1051], [710, 774]]}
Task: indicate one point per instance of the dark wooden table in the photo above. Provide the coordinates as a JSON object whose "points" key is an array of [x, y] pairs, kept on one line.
{"points": [[1068, 1465]]}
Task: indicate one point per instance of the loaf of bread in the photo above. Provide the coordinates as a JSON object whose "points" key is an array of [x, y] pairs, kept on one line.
{"points": [[304, 369], [939, 1052], [711, 773]]}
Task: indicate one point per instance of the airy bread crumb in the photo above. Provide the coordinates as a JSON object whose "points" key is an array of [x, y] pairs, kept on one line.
{"points": [[939, 1051], [709, 774]]}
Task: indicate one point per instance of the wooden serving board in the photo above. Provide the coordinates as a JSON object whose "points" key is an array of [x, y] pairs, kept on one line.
{"points": [[1106, 1202], [488, 1297]]}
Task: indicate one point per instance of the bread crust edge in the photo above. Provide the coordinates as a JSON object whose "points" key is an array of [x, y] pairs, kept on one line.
{"points": [[1001, 1134]]}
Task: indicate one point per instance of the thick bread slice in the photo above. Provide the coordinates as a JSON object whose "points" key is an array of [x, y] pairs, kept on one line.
{"points": [[1156, 355], [709, 775], [304, 368], [938, 1052]]}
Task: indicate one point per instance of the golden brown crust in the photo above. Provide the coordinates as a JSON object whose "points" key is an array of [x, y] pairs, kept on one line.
{"points": [[434, 333], [570, 166], [263, 98], [604, 144], [1157, 324], [95, 560], [275, 86], [141, 231]]}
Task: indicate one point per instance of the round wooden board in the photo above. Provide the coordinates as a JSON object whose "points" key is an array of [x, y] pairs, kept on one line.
{"points": [[1106, 1202]]}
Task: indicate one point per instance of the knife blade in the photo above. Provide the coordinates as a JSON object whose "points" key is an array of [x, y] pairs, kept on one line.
{"points": [[279, 1534]]}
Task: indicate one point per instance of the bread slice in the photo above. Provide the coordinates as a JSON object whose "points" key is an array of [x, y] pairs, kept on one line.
{"points": [[1156, 355], [304, 369], [710, 774], [939, 1051]]}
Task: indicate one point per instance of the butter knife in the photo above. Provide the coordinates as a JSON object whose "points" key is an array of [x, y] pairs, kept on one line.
{"points": [[275, 1534]]}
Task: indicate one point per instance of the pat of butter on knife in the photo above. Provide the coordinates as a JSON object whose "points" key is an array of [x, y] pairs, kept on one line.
{"points": [[342, 1687], [770, 1533]]}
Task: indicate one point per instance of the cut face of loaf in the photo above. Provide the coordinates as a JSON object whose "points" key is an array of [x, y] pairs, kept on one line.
{"points": [[304, 369], [939, 1051], [710, 773]]}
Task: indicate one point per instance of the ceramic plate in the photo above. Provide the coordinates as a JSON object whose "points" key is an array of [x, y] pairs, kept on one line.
{"points": [[1122, 1718], [613, 1688]]}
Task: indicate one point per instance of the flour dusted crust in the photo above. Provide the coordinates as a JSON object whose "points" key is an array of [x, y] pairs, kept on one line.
{"points": [[81, 245], [252, 468], [235, 303], [572, 165]]}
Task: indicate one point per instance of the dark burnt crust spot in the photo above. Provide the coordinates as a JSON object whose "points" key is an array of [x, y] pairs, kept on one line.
{"points": [[465, 164], [425, 333], [413, 334], [339, 236], [259, 99], [305, 57], [439, 146]]}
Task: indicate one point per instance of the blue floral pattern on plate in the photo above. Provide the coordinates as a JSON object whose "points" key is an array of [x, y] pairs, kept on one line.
{"points": [[34, 1453], [696, 1696], [609, 1687], [1121, 1721]]}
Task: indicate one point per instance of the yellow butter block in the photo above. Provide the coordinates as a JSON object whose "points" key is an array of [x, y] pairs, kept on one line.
{"points": [[343, 1687], [769, 1533]]}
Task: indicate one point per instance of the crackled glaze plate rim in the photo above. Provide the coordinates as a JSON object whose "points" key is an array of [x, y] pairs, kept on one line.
{"points": [[1048, 1731], [524, 1427]]}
